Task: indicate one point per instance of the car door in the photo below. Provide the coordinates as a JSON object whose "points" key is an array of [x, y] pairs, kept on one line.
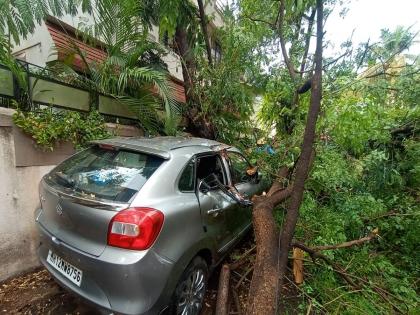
{"points": [[241, 217], [215, 205]]}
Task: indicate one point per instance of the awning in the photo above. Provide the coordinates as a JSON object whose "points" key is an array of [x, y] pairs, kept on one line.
{"points": [[65, 41]]}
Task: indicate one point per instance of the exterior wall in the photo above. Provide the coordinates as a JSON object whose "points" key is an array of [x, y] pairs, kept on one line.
{"points": [[171, 59], [38, 48], [18, 200]]}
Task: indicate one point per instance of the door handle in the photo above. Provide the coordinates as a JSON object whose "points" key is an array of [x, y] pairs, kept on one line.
{"points": [[214, 211]]}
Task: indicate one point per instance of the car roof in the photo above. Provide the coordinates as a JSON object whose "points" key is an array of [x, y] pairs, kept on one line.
{"points": [[162, 146]]}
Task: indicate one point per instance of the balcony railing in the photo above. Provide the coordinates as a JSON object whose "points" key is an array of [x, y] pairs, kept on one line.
{"points": [[220, 5]]}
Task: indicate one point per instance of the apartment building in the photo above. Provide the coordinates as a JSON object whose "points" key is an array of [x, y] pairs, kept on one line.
{"points": [[54, 35]]}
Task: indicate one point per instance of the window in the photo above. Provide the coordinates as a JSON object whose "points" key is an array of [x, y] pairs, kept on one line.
{"points": [[186, 181], [238, 166], [99, 173], [217, 52], [210, 170]]}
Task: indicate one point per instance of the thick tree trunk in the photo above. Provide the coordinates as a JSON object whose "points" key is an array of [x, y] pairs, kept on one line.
{"points": [[270, 264], [197, 124], [187, 62]]}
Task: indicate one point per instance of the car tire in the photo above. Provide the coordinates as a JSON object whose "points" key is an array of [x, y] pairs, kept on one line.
{"points": [[190, 291]]}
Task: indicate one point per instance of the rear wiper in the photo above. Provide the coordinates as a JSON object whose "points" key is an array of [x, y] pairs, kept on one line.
{"points": [[65, 178]]}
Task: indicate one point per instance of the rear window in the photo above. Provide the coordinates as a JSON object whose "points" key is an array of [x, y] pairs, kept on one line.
{"points": [[98, 173]]}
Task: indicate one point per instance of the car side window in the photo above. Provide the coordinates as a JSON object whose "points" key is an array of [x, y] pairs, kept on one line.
{"points": [[210, 169], [186, 181], [238, 166]]}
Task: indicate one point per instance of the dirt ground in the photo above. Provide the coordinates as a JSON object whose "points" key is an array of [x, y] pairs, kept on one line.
{"points": [[37, 293]]}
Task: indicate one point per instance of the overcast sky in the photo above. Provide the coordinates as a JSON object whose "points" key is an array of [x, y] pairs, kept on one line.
{"points": [[368, 17]]}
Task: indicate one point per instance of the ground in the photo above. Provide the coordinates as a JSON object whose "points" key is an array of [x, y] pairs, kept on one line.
{"points": [[35, 292]]}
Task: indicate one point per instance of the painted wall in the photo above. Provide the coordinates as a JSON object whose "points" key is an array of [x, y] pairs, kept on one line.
{"points": [[18, 200]]}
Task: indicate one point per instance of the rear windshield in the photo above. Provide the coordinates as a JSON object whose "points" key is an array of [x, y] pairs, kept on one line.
{"points": [[98, 173]]}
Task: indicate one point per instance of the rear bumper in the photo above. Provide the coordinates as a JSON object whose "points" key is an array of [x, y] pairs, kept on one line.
{"points": [[121, 281]]}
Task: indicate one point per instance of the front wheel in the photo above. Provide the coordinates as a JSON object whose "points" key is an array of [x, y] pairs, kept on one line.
{"points": [[191, 288]]}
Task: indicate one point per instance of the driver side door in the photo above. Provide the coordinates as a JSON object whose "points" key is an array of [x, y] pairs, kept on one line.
{"points": [[241, 217], [215, 205]]}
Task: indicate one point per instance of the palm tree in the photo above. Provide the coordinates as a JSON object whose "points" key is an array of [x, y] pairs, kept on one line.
{"points": [[132, 73], [18, 19]]}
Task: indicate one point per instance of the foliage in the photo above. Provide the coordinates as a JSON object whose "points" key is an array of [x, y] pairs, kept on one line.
{"points": [[226, 95], [132, 72], [18, 19], [50, 126], [365, 176]]}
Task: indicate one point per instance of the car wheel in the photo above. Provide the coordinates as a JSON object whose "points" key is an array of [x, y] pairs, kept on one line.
{"points": [[191, 288]]}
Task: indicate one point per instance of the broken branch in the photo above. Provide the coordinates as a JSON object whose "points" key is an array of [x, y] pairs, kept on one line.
{"points": [[359, 241], [222, 305]]}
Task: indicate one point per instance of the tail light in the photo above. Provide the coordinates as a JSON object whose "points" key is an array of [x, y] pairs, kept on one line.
{"points": [[135, 228]]}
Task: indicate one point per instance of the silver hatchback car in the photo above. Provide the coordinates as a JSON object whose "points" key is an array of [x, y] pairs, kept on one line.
{"points": [[135, 226]]}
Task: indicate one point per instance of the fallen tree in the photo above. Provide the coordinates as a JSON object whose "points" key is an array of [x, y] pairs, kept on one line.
{"points": [[272, 250]]}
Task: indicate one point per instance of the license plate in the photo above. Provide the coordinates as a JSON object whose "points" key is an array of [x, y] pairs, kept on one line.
{"points": [[68, 270]]}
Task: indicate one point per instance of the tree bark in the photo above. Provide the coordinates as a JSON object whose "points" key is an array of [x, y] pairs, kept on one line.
{"points": [[187, 62], [197, 124], [270, 263], [222, 302], [307, 42], [203, 23], [303, 165]]}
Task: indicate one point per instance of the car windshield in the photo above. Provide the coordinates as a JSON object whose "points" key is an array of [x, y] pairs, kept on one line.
{"points": [[107, 174]]}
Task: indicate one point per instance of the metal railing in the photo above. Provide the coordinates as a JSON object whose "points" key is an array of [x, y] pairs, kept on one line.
{"points": [[47, 87], [220, 5]]}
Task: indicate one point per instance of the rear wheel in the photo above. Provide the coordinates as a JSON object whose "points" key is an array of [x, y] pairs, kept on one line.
{"points": [[191, 288]]}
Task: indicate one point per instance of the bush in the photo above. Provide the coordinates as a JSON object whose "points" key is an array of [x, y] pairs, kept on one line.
{"points": [[48, 126]]}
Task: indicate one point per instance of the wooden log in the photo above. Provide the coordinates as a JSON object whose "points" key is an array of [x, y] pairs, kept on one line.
{"points": [[298, 265], [222, 305]]}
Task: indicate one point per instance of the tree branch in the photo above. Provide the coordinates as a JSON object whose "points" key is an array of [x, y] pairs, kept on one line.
{"points": [[316, 255], [359, 241], [254, 19], [311, 19], [286, 58]]}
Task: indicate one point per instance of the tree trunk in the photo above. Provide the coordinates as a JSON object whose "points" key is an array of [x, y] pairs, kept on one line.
{"points": [[187, 62], [203, 23], [270, 264], [197, 124], [303, 165]]}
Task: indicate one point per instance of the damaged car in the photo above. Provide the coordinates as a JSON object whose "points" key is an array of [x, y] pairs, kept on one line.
{"points": [[136, 225]]}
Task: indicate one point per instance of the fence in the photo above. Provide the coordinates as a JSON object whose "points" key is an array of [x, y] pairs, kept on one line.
{"points": [[46, 88]]}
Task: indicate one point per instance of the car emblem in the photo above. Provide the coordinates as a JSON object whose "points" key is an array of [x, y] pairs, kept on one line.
{"points": [[59, 209]]}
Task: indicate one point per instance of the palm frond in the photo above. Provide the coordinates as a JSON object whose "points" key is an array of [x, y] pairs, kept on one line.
{"points": [[145, 108]]}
